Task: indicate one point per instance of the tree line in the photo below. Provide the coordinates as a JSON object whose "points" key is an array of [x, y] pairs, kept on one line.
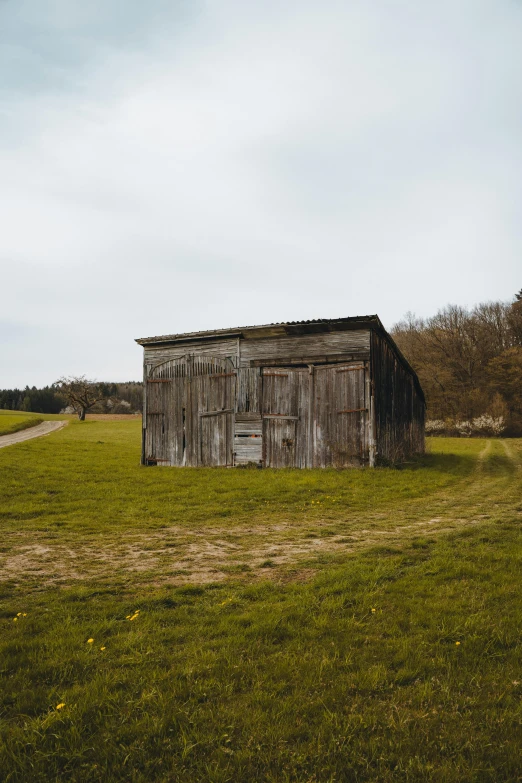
{"points": [[469, 363], [113, 398]]}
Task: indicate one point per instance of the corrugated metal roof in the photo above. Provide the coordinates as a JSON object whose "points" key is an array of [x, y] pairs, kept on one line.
{"points": [[238, 330]]}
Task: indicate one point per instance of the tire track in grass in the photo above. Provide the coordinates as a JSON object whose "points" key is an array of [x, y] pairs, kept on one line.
{"points": [[511, 455]]}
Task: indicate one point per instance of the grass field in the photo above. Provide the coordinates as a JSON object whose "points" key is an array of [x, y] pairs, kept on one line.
{"points": [[14, 422], [243, 625]]}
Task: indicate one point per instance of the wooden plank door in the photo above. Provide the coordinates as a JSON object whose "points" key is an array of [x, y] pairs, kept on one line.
{"points": [[217, 438], [212, 417], [165, 414], [279, 441], [157, 431], [284, 410], [340, 416]]}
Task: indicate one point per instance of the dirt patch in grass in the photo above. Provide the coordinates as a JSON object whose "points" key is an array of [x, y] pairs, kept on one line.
{"points": [[174, 556]]}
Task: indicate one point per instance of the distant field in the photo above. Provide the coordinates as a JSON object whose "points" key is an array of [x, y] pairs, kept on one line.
{"points": [[113, 416], [14, 422], [293, 625]]}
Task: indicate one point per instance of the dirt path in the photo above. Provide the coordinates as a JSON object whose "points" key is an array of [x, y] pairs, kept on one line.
{"points": [[45, 428]]}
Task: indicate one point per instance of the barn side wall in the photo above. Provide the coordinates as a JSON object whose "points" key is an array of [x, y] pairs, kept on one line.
{"points": [[397, 404]]}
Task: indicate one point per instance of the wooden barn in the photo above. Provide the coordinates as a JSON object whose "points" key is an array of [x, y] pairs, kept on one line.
{"points": [[306, 394]]}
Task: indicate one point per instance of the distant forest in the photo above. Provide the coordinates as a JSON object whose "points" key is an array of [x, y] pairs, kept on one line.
{"points": [[469, 362], [118, 398]]}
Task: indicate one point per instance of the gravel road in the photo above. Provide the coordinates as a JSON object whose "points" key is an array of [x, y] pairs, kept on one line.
{"points": [[45, 428]]}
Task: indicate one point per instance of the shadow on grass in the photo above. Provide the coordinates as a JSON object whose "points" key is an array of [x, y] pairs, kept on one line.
{"points": [[499, 463], [454, 464]]}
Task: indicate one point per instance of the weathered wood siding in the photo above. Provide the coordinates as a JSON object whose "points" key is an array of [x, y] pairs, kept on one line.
{"points": [[248, 438], [398, 405], [154, 354], [249, 390], [304, 347], [244, 352]]}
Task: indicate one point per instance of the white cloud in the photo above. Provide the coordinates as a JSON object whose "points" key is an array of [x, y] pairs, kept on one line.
{"points": [[251, 162]]}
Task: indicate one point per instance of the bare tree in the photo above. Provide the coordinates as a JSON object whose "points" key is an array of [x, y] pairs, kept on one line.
{"points": [[80, 393], [469, 361]]}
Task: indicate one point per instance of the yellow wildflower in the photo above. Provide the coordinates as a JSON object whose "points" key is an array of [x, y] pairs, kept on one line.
{"points": [[19, 614], [60, 706], [373, 611], [102, 648], [90, 641], [457, 643], [128, 617], [24, 614], [15, 619]]}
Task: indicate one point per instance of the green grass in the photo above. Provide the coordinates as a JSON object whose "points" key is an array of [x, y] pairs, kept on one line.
{"points": [[14, 422], [256, 655]]}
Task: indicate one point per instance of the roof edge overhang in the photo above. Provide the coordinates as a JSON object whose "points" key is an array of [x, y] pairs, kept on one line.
{"points": [[291, 328]]}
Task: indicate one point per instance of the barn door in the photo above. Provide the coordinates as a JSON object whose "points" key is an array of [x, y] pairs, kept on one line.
{"points": [[180, 394], [157, 423], [340, 416], [279, 438], [165, 414], [217, 438], [213, 391], [285, 417]]}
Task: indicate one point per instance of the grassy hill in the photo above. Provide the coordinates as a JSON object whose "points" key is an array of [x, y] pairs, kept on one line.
{"points": [[14, 422], [229, 625]]}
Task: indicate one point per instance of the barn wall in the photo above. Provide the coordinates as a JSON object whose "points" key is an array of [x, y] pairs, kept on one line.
{"points": [[306, 346], [398, 406], [248, 390], [268, 348], [154, 354]]}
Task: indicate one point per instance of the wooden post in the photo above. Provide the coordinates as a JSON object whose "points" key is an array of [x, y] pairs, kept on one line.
{"points": [[370, 419], [146, 369], [311, 423]]}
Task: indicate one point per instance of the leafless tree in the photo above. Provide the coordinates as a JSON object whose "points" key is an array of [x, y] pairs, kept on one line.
{"points": [[80, 393], [469, 361]]}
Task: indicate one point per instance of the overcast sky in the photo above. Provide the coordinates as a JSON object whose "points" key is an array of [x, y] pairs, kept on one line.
{"points": [[170, 166]]}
